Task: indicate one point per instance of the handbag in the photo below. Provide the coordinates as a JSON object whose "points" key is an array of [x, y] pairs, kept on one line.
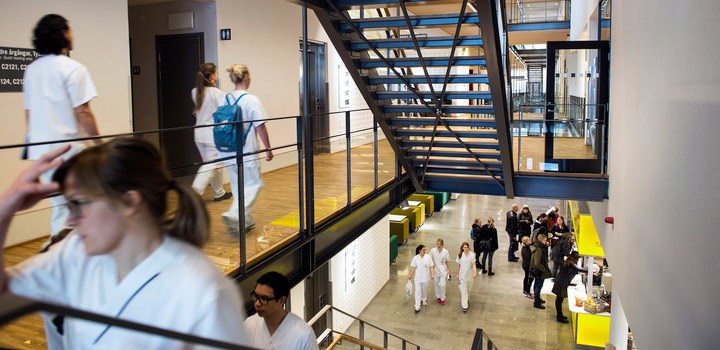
{"points": [[484, 245], [408, 289]]}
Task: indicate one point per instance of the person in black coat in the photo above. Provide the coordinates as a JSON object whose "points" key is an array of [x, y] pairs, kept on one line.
{"points": [[562, 249], [526, 255], [511, 227], [475, 235], [568, 270], [539, 268], [488, 244], [525, 221]]}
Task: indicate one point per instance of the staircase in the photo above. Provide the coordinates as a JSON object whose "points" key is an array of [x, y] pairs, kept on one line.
{"points": [[431, 73]]}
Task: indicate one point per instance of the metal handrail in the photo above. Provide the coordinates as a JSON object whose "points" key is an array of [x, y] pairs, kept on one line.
{"points": [[482, 341], [326, 312]]}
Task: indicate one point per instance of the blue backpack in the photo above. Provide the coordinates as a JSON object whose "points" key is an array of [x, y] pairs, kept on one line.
{"points": [[226, 135]]}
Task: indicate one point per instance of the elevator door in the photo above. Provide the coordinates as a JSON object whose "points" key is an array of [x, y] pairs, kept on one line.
{"points": [[317, 96]]}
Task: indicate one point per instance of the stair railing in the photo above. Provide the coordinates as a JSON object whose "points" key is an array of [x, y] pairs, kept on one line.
{"points": [[482, 341], [327, 314]]}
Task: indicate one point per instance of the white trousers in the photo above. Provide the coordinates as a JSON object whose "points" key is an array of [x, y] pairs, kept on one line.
{"points": [[465, 288], [60, 213], [252, 185], [420, 293], [209, 173], [440, 285]]}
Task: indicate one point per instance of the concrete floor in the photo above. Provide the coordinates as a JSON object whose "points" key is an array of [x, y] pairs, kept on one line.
{"points": [[496, 303]]}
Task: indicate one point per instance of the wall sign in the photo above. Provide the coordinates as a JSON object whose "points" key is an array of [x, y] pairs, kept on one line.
{"points": [[13, 62], [225, 34]]}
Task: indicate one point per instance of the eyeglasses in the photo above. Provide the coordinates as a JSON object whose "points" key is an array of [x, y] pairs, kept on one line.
{"points": [[254, 297], [75, 206]]}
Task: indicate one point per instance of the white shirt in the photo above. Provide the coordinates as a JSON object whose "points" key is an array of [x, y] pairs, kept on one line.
{"points": [[54, 85], [422, 267], [214, 97], [440, 259], [175, 288], [252, 110], [293, 333], [466, 262]]}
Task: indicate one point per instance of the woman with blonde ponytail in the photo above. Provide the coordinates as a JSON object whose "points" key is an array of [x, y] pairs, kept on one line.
{"points": [[207, 98], [129, 256], [254, 113]]}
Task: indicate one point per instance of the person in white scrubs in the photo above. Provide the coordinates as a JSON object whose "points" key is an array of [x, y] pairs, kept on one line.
{"points": [[440, 257], [252, 110], [422, 270], [273, 327], [125, 258], [466, 273], [207, 98]]}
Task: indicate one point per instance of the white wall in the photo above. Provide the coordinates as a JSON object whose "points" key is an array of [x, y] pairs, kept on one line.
{"points": [[664, 188], [580, 13], [297, 299], [372, 272], [101, 43], [148, 21]]}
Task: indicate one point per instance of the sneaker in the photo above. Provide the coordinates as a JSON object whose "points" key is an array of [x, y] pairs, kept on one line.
{"points": [[232, 224], [539, 306], [527, 295], [249, 228], [465, 309], [417, 310], [227, 195], [424, 302], [442, 302], [439, 300]]}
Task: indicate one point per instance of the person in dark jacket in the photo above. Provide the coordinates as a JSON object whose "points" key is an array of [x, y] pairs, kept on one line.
{"points": [[568, 270], [525, 221], [511, 227], [526, 255], [539, 268], [488, 242], [562, 249], [539, 220], [475, 235]]}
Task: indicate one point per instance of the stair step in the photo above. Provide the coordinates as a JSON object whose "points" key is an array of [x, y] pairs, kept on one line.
{"points": [[471, 164], [435, 79], [429, 61], [483, 134], [449, 95], [386, 3], [416, 108], [425, 121], [450, 144], [422, 153], [415, 21], [477, 171], [407, 43]]}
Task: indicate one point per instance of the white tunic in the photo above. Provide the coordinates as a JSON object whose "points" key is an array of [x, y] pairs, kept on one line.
{"points": [[422, 267], [214, 97], [175, 288], [466, 262], [440, 259], [53, 86], [293, 333]]}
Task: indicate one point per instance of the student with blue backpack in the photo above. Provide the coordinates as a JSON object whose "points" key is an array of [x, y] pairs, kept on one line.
{"points": [[249, 110]]}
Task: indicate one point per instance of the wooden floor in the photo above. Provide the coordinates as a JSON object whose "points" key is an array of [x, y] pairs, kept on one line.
{"points": [[276, 213]]}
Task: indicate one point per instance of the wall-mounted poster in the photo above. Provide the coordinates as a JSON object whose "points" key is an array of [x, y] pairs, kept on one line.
{"points": [[350, 267], [345, 85], [13, 62]]}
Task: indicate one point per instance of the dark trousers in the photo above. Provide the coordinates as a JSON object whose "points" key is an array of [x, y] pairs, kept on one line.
{"points": [[527, 281], [556, 265], [485, 255], [513, 245], [558, 306], [537, 288]]}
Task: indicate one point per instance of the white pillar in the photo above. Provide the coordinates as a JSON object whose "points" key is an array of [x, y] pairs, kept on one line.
{"points": [[618, 323]]}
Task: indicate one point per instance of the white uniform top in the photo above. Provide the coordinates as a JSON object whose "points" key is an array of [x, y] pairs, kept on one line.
{"points": [[252, 109], [422, 267], [293, 333], [214, 97], [53, 86], [175, 288], [440, 259], [466, 262]]}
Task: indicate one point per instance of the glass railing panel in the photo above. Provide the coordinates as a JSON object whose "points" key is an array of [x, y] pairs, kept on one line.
{"points": [[330, 175], [362, 164], [386, 160], [26, 332], [537, 11]]}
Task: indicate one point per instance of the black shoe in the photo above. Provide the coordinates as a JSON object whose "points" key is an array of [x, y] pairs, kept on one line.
{"points": [[478, 265], [562, 319], [484, 271], [542, 301], [539, 306], [491, 273], [227, 195], [516, 259]]}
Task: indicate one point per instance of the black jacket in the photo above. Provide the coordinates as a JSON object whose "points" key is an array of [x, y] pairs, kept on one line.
{"points": [[526, 255], [511, 222], [563, 278], [488, 233], [525, 222], [561, 250]]}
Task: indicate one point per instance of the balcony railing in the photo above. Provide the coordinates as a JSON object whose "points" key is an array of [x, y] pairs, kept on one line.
{"points": [[534, 11]]}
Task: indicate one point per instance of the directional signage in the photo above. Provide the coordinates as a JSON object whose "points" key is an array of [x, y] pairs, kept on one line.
{"points": [[13, 62]]}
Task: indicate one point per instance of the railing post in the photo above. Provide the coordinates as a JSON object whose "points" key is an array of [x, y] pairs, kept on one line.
{"points": [[299, 129], [240, 166], [362, 333], [307, 133], [348, 159], [375, 140], [385, 339], [404, 344]]}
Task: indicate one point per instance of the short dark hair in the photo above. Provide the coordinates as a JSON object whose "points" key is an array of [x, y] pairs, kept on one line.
{"points": [[277, 281], [49, 34]]}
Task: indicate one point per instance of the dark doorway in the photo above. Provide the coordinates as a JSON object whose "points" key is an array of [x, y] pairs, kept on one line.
{"points": [[178, 58], [317, 295], [317, 96]]}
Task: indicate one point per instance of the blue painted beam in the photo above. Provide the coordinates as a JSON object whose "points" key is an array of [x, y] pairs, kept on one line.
{"points": [[450, 144], [529, 27], [407, 43], [561, 187], [605, 23], [444, 133], [449, 95], [427, 121], [463, 185], [459, 163], [445, 109], [429, 61], [435, 79], [415, 21]]}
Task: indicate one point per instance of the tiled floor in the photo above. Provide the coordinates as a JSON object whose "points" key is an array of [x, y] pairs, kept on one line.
{"points": [[496, 303]]}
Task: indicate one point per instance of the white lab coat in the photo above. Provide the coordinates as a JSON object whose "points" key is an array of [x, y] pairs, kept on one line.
{"points": [[175, 288], [422, 267], [205, 142], [293, 333], [465, 272], [440, 259]]}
